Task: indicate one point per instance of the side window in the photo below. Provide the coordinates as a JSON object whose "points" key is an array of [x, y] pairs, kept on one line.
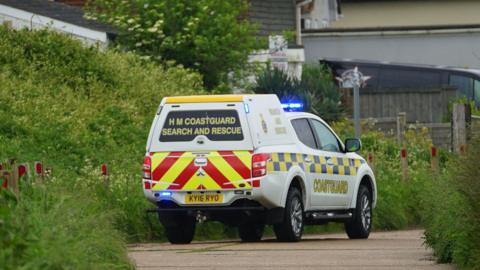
{"points": [[464, 84], [476, 88], [328, 141], [401, 78], [304, 132]]}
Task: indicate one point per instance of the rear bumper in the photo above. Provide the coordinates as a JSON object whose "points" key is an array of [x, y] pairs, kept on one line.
{"points": [[205, 209], [269, 194], [238, 212]]}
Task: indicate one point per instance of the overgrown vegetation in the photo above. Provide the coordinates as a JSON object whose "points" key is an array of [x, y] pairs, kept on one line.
{"points": [[54, 228], [213, 37], [451, 215], [75, 108]]}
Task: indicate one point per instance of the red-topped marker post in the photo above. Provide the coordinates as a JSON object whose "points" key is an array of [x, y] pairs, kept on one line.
{"points": [[404, 163]]}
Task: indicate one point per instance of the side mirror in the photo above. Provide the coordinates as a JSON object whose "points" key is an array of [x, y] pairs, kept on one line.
{"points": [[352, 145]]}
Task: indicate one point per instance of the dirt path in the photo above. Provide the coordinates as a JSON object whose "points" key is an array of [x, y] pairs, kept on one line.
{"points": [[384, 250]]}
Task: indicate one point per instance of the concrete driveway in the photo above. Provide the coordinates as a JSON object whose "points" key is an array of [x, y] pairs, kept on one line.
{"points": [[383, 250]]}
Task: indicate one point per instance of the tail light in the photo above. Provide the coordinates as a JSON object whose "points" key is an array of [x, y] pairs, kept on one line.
{"points": [[147, 167], [259, 164]]}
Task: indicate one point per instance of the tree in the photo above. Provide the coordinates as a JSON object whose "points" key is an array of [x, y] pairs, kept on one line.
{"points": [[210, 36]]}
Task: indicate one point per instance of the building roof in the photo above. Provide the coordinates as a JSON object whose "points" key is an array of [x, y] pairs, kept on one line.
{"points": [[58, 11], [272, 16], [370, 14]]}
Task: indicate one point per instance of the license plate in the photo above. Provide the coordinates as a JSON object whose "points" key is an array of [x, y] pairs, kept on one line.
{"points": [[203, 198]]}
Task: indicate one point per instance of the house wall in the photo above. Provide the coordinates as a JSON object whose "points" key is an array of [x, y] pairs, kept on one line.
{"points": [[458, 48], [386, 41], [368, 13]]}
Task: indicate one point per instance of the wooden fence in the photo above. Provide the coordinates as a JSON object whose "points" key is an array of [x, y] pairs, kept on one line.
{"points": [[440, 133], [444, 135], [421, 106]]}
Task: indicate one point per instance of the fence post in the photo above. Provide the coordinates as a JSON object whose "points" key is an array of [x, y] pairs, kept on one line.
{"points": [[3, 180], [434, 160], [14, 178], [105, 175], [404, 163], [401, 124], [459, 138], [39, 173], [371, 161]]}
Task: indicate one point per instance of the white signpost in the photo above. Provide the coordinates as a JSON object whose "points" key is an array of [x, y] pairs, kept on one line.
{"points": [[353, 78], [277, 48]]}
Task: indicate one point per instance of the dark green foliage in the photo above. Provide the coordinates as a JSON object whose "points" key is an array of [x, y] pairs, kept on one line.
{"points": [[316, 90], [275, 81], [323, 95], [452, 219], [211, 36]]}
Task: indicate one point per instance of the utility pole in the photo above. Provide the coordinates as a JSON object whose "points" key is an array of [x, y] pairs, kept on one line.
{"points": [[353, 78]]}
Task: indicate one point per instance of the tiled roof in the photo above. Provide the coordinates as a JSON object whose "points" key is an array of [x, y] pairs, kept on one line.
{"points": [[272, 16], [58, 11]]}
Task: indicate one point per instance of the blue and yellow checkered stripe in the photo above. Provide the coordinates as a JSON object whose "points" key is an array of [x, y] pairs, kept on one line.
{"points": [[341, 166]]}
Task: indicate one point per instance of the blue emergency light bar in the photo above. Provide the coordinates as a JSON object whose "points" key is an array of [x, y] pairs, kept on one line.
{"points": [[292, 107]]}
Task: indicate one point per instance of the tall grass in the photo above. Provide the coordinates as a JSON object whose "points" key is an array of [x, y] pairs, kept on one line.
{"points": [[452, 217], [75, 108], [53, 228]]}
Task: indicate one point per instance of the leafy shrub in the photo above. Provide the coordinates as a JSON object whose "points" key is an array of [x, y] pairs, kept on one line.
{"points": [[278, 82], [323, 95], [451, 214], [316, 90], [211, 36]]}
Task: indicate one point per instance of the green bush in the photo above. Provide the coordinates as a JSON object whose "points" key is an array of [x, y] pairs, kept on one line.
{"points": [[278, 82], [451, 216], [316, 90], [323, 95], [75, 108]]}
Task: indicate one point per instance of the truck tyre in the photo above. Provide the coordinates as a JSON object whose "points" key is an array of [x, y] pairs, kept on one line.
{"points": [[291, 228], [181, 230], [360, 224], [251, 231]]}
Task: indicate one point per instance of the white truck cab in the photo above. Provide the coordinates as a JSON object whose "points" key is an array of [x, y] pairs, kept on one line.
{"points": [[248, 161]]}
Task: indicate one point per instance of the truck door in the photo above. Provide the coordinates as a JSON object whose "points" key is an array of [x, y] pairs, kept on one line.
{"points": [[332, 172]]}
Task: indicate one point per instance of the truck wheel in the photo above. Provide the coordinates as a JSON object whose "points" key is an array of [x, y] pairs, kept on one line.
{"points": [[181, 230], [251, 231], [291, 228], [359, 226]]}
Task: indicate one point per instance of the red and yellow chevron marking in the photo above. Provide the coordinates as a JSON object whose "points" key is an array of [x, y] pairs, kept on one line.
{"points": [[224, 170]]}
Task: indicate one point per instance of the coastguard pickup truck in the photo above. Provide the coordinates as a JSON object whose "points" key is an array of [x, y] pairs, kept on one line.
{"points": [[250, 161]]}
